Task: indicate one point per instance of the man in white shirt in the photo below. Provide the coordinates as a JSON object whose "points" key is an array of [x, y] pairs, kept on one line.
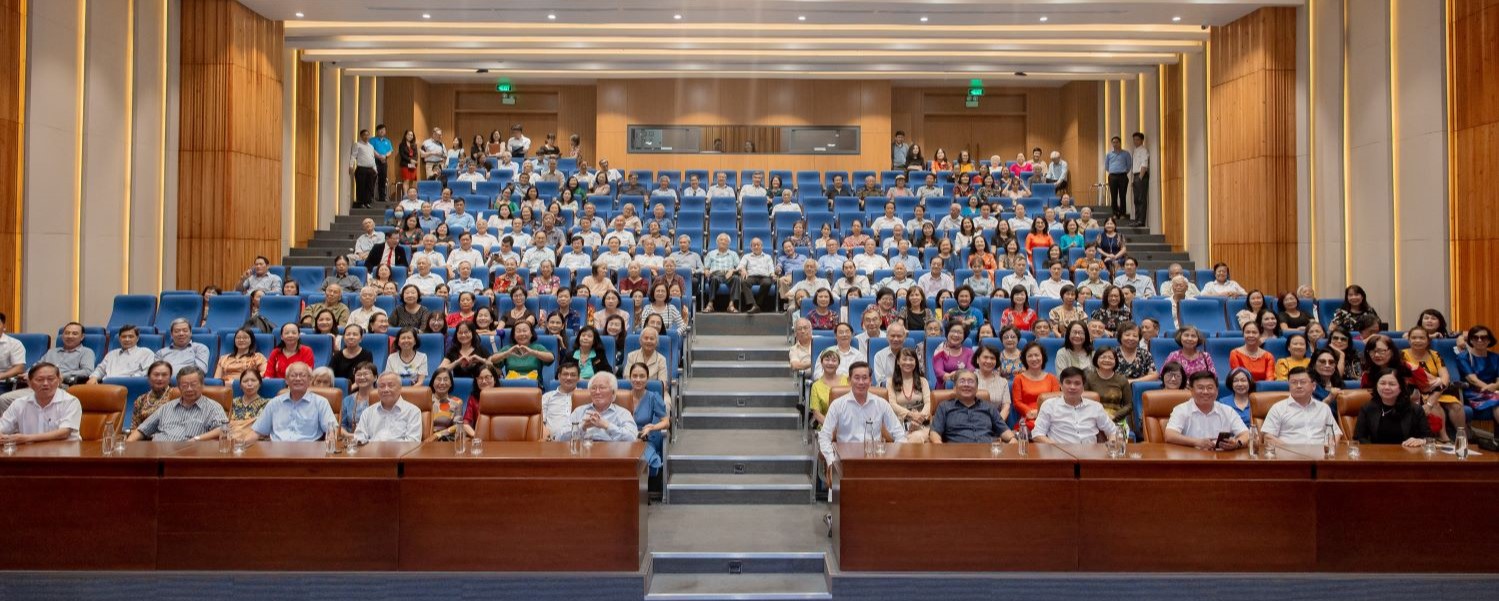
{"points": [[429, 252], [1053, 285], [929, 189], [870, 260], [897, 235], [851, 280], [952, 221], [434, 153], [756, 268], [1140, 177], [47, 413], [788, 204], [610, 175], [508, 165], [904, 257], [720, 187], [1200, 422], [753, 188], [1299, 419], [694, 188], [1020, 221], [935, 280], [365, 242], [620, 232], [614, 258], [847, 415], [465, 282], [986, 219], [360, 316], [887, 221], [536, 255], [1073, 419], [918, 219], [518, 143], [664, 190], [471, 175], [362, 165], [884, 361], [12, 354], [558, 404], [482, 239], [810, 284], [1171, 272], [127, 361], [1056, 172], [1144, 288], [465, 252], [1021, 277], [424, 279], [1094, 283], [899, 280], [601, 419], [393, 419]]}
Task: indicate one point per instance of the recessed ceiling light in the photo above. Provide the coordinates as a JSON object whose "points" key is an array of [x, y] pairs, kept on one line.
{"points": [[551, 17], [1020, 74], [801, 17], [1176, 19], [677, 17], [300, 15], [1043, 19], [923, 19], [426, 15]]}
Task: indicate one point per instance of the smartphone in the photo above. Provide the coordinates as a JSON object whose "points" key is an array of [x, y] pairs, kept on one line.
{"points": [[1223, 438]]}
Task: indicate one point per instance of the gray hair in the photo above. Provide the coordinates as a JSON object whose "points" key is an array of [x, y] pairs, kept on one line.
{"points": [[181, 320], [604, 379], [191, 370]]}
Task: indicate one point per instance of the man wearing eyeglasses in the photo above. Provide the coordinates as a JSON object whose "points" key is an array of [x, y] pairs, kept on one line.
{"points": [[1299, 419]]}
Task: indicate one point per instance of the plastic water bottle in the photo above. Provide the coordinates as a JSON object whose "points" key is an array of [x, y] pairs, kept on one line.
{"points": [[1022, 438], [226, 440], [1330, 442], [869, 437], [1461, 447], [460, 440], [107, 445], [1124, 440], [575, 442], [330, 437], [1254, 442]]}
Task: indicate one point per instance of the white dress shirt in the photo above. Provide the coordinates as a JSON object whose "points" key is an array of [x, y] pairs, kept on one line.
{"points": [[758, 265], [401, 423], [1228, 288], [126, 363], [845, 359], [1294, 423], [25, 416], [458, 256], [434, 258], [427, 284], [1050, 288], [619, 425], [556, 406], [845, 422], [1023, 278], [870, 263], [1064, 422], [1144, 288], [1140, 161], [1188, 420]]}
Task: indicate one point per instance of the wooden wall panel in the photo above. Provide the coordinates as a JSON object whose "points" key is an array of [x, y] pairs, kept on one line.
{"points": [[13, 29], [309, 95], [1252, 195], [1473, 200], [1081, 139], [576, 114], [937, 118], [1173, 157], [230, 141], [621, 103]]}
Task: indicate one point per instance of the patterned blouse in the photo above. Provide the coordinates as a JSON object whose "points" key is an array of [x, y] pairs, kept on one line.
{"points": [[1062, 317], [1113, 318], [445, 413], [1010, 367], [1202, 361], [147, 404], [247, 407], [1143, 364]]}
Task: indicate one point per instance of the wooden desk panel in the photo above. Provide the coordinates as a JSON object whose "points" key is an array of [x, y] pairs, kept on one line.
{"points": [[1383, 511], [281, 506], [68, 507], [925, 507], [1180, 509], [523, 506]]}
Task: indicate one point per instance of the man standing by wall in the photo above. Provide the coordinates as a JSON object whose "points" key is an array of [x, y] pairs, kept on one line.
{"points": [[1140, 172], [362, 164], [1117, 163], [382, 147]]}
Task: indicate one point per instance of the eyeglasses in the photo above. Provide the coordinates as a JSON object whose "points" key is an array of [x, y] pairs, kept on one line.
{"points": [[1481, 338]]}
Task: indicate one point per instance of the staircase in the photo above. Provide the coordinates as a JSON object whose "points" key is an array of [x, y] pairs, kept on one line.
{"points": [[742, 522], [338, 238], [1151, 250]]}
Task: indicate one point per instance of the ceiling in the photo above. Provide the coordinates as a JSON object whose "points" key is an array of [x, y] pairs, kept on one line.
{"points": [[585, 40]]}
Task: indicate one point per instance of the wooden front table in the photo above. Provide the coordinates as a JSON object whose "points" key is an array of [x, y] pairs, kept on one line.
{"points": [[955, 507], [1399, 510], [1181, 509], [280, 506], [69, 507], [524, 506]]}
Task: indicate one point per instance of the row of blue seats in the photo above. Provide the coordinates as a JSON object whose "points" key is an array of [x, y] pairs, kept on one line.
{"points": [[798, 179]]}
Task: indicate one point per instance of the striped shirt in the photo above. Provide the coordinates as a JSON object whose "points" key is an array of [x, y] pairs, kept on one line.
{"points": [[175, 421]]}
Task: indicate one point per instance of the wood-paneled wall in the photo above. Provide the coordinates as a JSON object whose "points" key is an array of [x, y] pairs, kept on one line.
{"points": [[1173, 156], [13, 30], [1007, 121], [305, 180], [468, 109], [1473, 199], [1252, 188], [230, 141], [744, 102], [1081, 136]]}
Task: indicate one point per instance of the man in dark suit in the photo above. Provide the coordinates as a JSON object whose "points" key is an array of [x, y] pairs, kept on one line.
{"points": [[388, 252]]}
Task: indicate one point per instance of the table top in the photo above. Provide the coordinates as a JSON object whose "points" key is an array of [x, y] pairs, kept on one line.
{"points": [[521, 451], [290, 451]]}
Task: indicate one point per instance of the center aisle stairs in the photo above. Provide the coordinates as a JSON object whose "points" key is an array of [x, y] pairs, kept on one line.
{"points": [[741, 520]]}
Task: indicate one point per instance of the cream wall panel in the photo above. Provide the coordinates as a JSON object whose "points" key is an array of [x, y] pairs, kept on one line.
{"points": [[1196, 195], [51, 156], [107, 130], [1369, 146], [1421, 137]]}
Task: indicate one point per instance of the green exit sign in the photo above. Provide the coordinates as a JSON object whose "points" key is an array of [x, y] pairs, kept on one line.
{"points": [[504, 86]]}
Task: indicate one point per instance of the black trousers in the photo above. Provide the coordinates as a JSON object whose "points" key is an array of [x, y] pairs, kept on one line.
{"points": [[745, 296], [1142, 195], [710, 292], [1118, 192], [381, 181], [364, 186]]}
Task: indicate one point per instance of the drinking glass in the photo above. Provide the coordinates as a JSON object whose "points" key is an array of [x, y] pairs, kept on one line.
{"points": [[1429, 447], [476, 446], [1353, 450]]}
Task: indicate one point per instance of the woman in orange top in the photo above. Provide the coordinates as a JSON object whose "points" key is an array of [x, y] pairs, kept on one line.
{"points": [[1029, 385], [1253, 357], [1040, 236]]}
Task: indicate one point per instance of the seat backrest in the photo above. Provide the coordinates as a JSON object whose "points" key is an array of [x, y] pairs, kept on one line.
{"points": [[510, 414], [101, 403], [421, 396], [227, 311], [174, 306], [1350, 403], [223, 395], [133, 309], [335, 398], [1158, 406], [1260, 402]]}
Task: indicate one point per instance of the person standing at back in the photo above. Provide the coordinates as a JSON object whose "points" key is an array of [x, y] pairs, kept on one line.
{"points": [[1117, 163], [898, 150], [1140, 177]]}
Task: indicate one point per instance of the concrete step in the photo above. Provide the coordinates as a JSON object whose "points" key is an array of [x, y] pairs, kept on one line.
{"points": [[740, 324], [739, 418], [740, 392], [710, 587], [740, 489], [738, 563], [306, 261], [740, 452], [739, 369], [740, 348], [333, 241]]}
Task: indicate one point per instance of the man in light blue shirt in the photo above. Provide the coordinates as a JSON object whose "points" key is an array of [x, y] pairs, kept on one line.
{"points": [[719, 266], [296, 415], [1056, 172], [898, 151], [382, 147], [601, 419], [459, 219], [183, 352], [830, 262], [1117, 163]]}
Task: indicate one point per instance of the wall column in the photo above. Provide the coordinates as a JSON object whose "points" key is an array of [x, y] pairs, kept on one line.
{"points": [[13, 62], [1473, 102]]}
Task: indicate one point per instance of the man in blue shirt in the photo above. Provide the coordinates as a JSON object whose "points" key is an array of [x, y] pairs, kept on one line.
{"points": [[898, 150], [459, 219], [1117, 163], [296, 415], [382, 155]]}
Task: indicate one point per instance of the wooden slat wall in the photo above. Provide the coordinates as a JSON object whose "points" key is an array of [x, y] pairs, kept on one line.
{"points": [[744, 102], [1173, 158], [230, 124], [12, 139], [309, 94], [1473, 199], [932, 116], [1081, 136], [1252, 195]]}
